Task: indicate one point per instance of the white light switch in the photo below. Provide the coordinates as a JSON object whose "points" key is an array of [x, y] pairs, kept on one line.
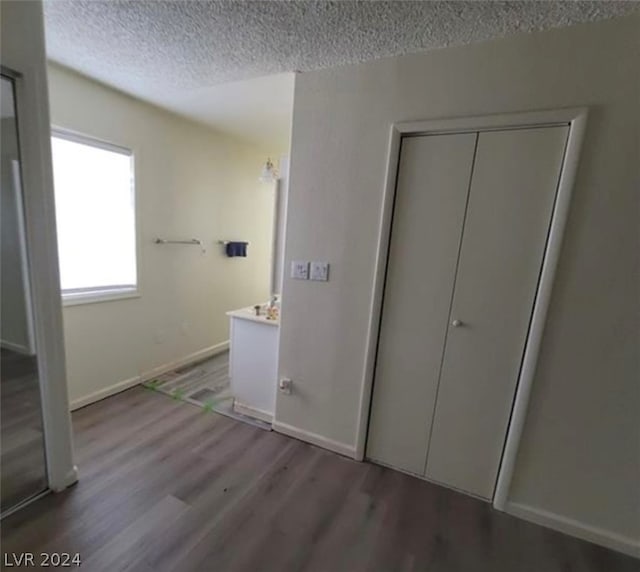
{"points": [[300, 270], [320, 271]]}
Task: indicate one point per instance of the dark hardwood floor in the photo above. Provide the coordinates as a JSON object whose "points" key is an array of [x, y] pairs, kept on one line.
{"points": [[165, 486], [22, 461]]}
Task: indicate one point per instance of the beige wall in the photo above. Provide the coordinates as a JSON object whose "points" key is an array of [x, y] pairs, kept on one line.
{"points": [[580, 455], [190, 182]]}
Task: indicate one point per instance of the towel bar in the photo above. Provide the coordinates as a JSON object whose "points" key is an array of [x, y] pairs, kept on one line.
{"points": [[188, 241]]}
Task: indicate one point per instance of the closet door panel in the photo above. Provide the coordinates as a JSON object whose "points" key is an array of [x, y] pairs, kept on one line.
{"points": [[512, 194], [433, 183]]}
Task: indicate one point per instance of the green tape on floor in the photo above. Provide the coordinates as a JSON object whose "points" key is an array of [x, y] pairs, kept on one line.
{"points": [[153, 385]]}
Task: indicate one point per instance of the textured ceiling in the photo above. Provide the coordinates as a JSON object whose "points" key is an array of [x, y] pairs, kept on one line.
{"points": [[157, 49]]}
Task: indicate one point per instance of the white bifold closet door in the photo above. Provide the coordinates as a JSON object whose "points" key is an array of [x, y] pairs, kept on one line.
{"points": [[471, 219], [431, 194]]}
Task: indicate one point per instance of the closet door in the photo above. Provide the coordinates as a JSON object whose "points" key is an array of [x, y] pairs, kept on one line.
{"points": [[512, 194], [431, 194]]}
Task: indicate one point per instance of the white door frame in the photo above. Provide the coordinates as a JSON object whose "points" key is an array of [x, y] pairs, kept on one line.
{"points": [[576, 119], [23, 59], [42, 267]]}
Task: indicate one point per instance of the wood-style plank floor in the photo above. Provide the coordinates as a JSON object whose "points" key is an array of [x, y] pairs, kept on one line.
{"points": [[166, 486], [23, 472]]}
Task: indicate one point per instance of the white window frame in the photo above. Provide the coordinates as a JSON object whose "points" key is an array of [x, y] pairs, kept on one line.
{"points": [[96, 294]]}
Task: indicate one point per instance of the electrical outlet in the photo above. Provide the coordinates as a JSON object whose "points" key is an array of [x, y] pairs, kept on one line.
{"points": [[320, 271], [285, 385], [300, 270]]}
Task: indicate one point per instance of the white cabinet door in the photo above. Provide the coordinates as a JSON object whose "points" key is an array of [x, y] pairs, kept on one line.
{"points": [[513, 188], [253, 367], [431, 195]]}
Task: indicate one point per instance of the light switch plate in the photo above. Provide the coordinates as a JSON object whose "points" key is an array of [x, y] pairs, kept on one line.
{"points": [[320, 271], [300, 270]]}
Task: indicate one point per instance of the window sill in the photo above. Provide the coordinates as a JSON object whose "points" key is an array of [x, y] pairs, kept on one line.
{"points": [[78, 299]]}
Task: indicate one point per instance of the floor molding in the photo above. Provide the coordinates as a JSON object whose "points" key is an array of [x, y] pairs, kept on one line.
{"points": [[104, 392], [187, 360], [253, 412], [315, 439], [575, 528], [138, 379]]}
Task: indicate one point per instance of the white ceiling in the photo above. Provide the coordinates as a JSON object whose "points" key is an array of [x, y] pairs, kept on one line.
{"points": [[181, 54], [258, 109]]}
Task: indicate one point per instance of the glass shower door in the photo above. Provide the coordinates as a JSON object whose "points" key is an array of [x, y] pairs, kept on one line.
{"points": [[23, 472]]}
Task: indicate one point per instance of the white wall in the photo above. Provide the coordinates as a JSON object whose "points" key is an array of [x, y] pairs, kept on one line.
{"points": [[580, 455], [190, 182]]}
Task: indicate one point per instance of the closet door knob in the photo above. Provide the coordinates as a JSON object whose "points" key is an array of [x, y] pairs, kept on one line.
{"points": [[456, 323]]}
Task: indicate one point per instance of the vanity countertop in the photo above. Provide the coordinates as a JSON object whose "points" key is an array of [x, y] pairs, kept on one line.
{"points": [[249, 313]]}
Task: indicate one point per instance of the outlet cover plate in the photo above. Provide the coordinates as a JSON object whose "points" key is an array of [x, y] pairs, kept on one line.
{"points": [[320, 271], [284, 385]]}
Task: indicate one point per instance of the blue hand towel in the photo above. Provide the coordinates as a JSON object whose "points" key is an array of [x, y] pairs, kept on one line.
{"points": [[236, 249]]}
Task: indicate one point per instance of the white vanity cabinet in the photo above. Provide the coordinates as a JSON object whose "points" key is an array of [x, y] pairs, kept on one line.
{"points": [[253, 363]]}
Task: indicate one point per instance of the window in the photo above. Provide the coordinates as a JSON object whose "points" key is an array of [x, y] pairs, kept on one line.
{"points": [[95, 213]]}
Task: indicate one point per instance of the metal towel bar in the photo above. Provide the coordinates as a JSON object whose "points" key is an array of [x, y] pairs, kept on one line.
{"points": [[188, 241]]}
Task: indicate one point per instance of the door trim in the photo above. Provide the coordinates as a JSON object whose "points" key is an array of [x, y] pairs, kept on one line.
{"points": [[576, 119], [24, 61]]}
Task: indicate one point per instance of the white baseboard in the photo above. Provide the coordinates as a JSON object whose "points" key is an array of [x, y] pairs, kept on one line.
{"points": [[249, 411], [315, 439], [566, 525], [105, 392], [191, 358], [138, 379]]}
